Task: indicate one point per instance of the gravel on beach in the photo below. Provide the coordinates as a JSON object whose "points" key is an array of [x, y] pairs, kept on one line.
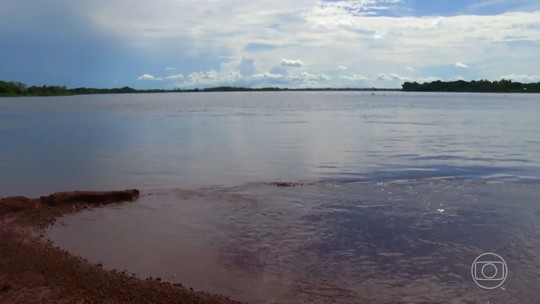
{"points": [[33, 270]]}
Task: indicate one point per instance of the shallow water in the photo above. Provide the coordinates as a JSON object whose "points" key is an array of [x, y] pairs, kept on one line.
{"points": [[407, 241], [400, 192]]}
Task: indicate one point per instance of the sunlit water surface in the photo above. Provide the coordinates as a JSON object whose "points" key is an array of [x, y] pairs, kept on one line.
{"points": [[398, 193]]}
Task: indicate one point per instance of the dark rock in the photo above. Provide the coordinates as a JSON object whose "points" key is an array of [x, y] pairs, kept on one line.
{"points": [[90, 197]]}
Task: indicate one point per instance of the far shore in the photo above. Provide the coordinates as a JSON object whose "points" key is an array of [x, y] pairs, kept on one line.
{"points": [[33, 270], [15, 89]]}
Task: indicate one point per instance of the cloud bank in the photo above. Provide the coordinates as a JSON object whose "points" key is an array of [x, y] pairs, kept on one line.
{"points": [[377, 43]]}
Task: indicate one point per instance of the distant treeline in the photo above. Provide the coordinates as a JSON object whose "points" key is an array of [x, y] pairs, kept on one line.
{"points": [[501, 86], [8, 88]]}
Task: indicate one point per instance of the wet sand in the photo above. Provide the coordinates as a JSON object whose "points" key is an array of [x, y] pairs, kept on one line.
{"points": [[33, 270]]}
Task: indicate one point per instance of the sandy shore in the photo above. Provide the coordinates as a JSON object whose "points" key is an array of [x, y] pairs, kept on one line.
{"points": [[32, 270]]}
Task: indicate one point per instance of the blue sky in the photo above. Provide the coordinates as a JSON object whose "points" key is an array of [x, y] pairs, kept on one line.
{"points": [[302, 43]]}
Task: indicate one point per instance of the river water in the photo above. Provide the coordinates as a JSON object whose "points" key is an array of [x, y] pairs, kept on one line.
{"points": [[395, 194]]}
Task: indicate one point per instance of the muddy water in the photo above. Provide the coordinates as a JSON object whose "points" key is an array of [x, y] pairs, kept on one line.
{"points": [[402, 191], [408, 241]]}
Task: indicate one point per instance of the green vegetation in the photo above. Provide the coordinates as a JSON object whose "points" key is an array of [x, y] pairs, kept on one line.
{"points": [[21, 89], [502, 86], [8, 88]]}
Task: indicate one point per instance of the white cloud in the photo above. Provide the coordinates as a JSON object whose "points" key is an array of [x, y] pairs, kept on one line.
{"points": [[247, 66], [202, 77], [310, 78], [149, 77], [268, 77], [170, 69], [360, 7], [145, 77], [342, 67], [410, 69], [354, 77], [235, 78], [461, 65], [522, 78], [429, 79], [392, 77], [377, 36], [291, 63], [303, 79], [175, 77], [438, 23], [319, 33]]}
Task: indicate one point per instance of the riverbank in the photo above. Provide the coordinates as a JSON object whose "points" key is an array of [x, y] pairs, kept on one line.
{"points": [[33, 270]]}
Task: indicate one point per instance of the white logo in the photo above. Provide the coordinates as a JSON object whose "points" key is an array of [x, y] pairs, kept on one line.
{"points": [[489, 270]]}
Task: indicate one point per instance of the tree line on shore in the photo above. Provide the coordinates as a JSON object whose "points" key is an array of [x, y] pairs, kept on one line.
{"points": [[500, 86], [9, 88]]}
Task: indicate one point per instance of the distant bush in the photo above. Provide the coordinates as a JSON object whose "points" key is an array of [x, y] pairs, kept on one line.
{"points": [[12, 88], [9, 88], [502, 86]]}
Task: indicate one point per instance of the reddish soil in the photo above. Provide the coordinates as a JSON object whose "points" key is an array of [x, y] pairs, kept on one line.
{"points": [[32, 270]]}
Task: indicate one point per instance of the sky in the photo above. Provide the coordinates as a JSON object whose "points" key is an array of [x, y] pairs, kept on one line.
{"points": [[260, 43]]}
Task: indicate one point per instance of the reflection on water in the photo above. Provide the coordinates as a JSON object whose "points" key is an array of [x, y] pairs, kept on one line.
{"points": [[407, 241], [150, 141], [402, 191]]}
